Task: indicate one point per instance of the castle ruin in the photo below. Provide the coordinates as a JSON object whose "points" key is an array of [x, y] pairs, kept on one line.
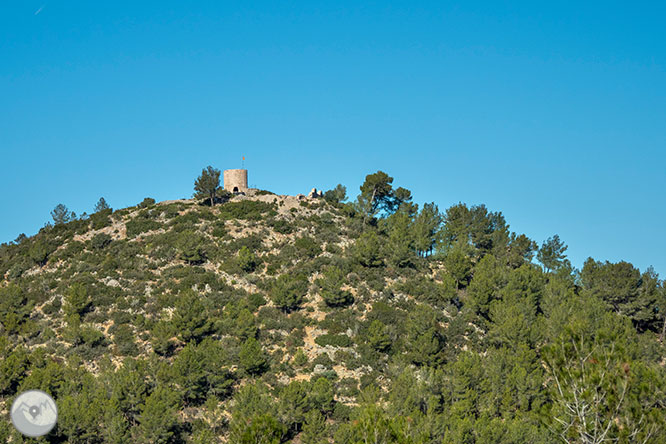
{"points": [[235, 181]]}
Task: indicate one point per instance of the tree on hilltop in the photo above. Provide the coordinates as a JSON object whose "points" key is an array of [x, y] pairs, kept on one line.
{"points": [[336, 195], [207, 184], [475, 226], [101, 205], [377, 195], [62, 215]]}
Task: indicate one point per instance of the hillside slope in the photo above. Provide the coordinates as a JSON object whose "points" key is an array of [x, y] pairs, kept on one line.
{"points": [[270, 319]]}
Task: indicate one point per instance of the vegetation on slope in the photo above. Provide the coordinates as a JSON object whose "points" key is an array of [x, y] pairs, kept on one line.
{"points": [[271, 319]]}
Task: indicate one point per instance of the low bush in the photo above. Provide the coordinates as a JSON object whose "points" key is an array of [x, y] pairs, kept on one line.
{"points": [[101, 219], [247, 210], [100, 241], [140, 225], [307, 246], [334, 340], [145, 203]]}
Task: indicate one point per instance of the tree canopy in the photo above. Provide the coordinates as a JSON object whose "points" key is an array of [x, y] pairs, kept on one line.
{"points": [[207, 185], [62, 215]]}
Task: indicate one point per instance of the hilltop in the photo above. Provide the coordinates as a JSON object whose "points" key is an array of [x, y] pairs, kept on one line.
{"points": [[269, 319]]}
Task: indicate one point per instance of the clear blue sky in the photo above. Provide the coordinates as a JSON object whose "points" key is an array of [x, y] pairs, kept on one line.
{"points": [[552, 112]]}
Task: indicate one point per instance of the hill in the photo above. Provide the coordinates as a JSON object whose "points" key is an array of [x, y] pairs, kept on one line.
{"points": [[270, 319]]}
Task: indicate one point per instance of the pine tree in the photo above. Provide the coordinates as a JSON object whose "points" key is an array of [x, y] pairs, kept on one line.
{"points": [[77, 300], [427, 225], [158, 420], [458, 264], [399, 250], [336, 195], [599, 394], [551, 254], [190, 318], [331, 288], [315, 429], [288, 291], [252, 357], [101, 205], [378, 336], [62, 215], [207, 184]]}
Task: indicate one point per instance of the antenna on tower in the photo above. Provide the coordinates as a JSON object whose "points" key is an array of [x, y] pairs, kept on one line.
{"points": [[243, 163]]}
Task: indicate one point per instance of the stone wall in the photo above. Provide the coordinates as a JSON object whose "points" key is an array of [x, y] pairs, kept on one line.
{"points": [[235, 181]]}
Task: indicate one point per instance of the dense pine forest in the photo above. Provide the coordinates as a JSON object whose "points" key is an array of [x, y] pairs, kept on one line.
{"points": [[260, 318]]}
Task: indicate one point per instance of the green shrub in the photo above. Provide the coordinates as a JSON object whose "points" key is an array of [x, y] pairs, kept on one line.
{"points": [[348, 387], [49, 309], [300, 359], [274, 319], [340, 320], [191, 247], [253, 242], [331, 290], [307, 246], [20, 267], [378, 336], [281, 226], [322, 359], [367, 250], [77, 301], [72, 249], [101, 219], [219, 231], [341, 412], [252, 357], [100, 241], [92, 337], [388, 315], [145, 203], [247, 261], [334, 340], [246, 209], [123, 338], [185, 221], [288, 291], [256, 300], [172, 210], [333, 249], [427, 290], [140, 225], [40, 249]]}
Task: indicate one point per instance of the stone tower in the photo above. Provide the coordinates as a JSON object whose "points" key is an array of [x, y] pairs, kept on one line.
{"points": [[235, 181]]}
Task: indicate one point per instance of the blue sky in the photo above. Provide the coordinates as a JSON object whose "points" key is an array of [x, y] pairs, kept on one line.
{"points": [[551, 112]]}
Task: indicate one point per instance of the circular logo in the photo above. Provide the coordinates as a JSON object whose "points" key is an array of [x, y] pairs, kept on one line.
{"points": [[34, 413]]}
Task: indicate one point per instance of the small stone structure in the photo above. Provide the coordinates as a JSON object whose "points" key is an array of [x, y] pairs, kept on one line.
{"points": [[235, 181], [313, 194]]}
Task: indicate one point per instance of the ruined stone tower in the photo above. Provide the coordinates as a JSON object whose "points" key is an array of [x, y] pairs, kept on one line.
{"points": [[235, 181]]}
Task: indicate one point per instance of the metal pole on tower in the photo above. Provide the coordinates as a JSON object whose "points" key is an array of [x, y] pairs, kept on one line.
{"points": [[243, 163]]}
